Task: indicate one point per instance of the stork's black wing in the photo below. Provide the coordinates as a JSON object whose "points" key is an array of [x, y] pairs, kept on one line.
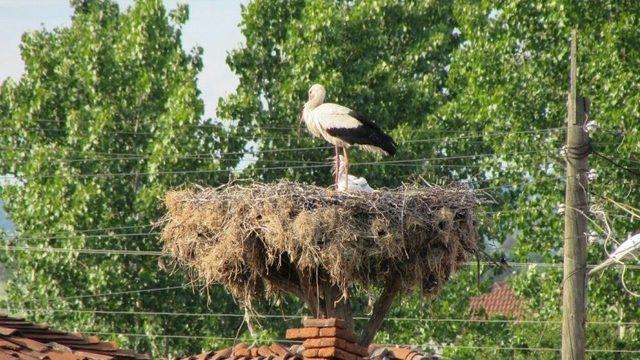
{"points": [[367, 134]]}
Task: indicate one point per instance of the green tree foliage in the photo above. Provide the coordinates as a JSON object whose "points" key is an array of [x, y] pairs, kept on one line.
{"points": [[106, 118], [478, 90], [365, 53]]}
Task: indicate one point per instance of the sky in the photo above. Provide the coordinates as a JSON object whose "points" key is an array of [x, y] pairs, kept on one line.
{"points": [[213, 24]]}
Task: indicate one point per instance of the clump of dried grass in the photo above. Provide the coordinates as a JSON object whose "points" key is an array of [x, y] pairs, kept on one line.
{"points": [[255, 239]]}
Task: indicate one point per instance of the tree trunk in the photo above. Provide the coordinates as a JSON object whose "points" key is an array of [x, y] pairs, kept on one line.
{"points": [[336, 305], [380, 309]]}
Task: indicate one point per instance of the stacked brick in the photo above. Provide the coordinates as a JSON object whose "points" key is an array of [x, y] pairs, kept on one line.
{"points": [[327, 339]]}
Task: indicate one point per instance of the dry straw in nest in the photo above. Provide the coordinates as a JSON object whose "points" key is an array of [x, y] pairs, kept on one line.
{"points": [[255, 239]]}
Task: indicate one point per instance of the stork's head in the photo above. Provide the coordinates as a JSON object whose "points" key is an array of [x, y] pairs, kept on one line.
{"points": [[316, 95]]}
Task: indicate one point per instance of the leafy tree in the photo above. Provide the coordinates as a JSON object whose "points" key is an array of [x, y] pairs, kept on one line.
{"points": [[514, 74], [477, 90], [106, 118], [365, 52]]}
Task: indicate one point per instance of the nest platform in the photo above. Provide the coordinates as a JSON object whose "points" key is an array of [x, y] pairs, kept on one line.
{"points": [[266, 239]]}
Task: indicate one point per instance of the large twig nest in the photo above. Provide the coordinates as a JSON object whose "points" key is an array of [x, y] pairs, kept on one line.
{"points": [[254, 238]]}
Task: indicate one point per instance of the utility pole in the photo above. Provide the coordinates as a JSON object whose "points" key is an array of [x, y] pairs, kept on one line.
{"points": [[574, 282]]}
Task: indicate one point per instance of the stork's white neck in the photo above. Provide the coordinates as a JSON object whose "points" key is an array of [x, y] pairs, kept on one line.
{"points": [[313, 103], [307, 116]]}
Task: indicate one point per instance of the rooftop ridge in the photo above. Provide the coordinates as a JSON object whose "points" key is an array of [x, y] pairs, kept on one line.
{"points": [[22, 339]]}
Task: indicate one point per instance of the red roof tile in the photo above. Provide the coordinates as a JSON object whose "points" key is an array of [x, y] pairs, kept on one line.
{"points": [[21, 339], [500, 301], [322, 339], [296, 352]]}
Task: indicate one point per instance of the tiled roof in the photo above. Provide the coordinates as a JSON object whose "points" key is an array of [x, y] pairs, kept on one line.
{"points": [[246, 352], [278, 351], [23, 340], [322, 339], [500, 301]]}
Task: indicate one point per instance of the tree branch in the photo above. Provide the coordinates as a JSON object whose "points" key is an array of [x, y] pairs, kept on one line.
{"points": [[282, 280], [380, 310], [309, 293]]}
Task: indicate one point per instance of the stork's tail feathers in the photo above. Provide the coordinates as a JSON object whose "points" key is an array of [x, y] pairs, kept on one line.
{"points": [[387, 145], [388, 149]]}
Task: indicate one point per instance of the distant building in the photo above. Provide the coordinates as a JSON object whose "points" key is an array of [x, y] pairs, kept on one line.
{"points": [[500, 301]]}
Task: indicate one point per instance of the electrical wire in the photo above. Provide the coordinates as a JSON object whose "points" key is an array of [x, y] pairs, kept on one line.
{"points": [[211, 337], [260, 169], [60, 237], [615, 163], [116, 293], [84, 251], [160, 253], [291, 317], [127, 292], [458, 137], [505, 348], [207, 156], [293, 131]]}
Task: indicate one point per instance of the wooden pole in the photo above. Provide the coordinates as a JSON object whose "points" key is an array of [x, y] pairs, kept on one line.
{"points": [[574, 282]]}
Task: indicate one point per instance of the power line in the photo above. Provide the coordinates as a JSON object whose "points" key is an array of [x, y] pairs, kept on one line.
{"points": [[171, 336], [292, 130], [122, 292], [221, 156], [114, 228], [160, 253], [116, 293], [505, 348], [614, 163], [176, 172], [291, 317], [308, 163], [84, 251], [61, 237], [457, 137], [379, 163], [82, 232], [204, 126], [202, 156], [307, 148]]}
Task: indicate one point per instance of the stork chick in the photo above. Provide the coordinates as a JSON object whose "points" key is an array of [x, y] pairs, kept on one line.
{"points": [[351, 183]]}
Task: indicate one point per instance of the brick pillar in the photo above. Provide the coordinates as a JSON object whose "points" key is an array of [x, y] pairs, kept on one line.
{"points": [[327, 339]]}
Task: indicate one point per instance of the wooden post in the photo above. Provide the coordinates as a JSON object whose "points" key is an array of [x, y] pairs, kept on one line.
{"points": [[574, 283]]}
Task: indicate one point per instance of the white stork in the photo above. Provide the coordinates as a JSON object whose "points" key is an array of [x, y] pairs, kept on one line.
{"points": [[343, 128]]}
